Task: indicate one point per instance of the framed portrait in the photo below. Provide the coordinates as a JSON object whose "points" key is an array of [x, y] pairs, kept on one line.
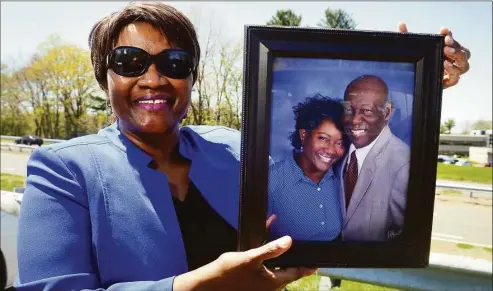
{"points": [[340, 139]]}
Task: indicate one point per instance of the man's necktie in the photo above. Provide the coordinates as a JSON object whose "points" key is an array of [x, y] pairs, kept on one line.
{"points": [[351, 177]]}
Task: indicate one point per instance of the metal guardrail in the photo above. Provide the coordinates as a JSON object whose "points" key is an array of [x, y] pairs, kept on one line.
{"points": [[471, 189], [468, 188], [445, 273], [20, 147], [9, 137]]}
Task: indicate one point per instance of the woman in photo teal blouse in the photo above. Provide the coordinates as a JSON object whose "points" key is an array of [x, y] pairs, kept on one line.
{"points": [[304, 188]]}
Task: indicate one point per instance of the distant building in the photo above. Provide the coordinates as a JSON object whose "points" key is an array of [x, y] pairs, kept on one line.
{"points": [[480, 155], [459, 144]]}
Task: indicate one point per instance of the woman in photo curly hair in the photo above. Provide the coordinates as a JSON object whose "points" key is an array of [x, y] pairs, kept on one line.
{"points": [[304, 189]]}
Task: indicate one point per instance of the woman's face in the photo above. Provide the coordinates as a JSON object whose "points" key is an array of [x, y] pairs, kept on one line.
{"points": [[131, 96], [322, 147]]}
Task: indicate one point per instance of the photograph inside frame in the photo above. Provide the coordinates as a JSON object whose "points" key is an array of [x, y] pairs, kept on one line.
{"points": [[340, 142]]}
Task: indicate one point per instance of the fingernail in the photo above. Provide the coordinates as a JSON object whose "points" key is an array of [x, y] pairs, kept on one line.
{"points": [[447, 64], [449, 40], [450, 50], [284, 241]]}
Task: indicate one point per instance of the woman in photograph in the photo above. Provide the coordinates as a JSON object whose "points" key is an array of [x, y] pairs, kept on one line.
{"points": [[304, 187], [144, 204]]}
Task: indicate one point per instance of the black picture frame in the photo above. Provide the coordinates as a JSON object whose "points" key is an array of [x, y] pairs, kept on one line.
{"points": [[262, 45]]}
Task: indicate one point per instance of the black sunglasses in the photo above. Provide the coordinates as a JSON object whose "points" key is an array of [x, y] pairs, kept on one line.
{"points": [[129, 61]]}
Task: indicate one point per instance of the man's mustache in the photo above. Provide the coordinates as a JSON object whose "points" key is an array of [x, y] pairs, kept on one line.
{"points": [[359, 126]]}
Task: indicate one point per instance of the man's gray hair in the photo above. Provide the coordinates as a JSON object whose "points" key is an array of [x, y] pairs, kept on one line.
{"points": [[386, 105]]}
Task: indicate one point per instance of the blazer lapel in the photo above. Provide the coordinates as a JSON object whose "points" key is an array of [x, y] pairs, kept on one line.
{"points": [[341, 181], [368, 170], [164, 208], [218, 186], [215, 171]]}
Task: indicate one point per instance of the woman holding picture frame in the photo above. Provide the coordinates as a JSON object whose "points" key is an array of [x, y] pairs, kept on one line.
{"points": [[98, 211]]}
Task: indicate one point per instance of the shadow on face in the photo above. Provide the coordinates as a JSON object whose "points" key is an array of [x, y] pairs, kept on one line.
{"points": [[152, 102], [367, 110]]}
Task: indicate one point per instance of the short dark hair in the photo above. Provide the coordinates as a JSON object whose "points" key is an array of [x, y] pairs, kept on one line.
{"points": [[312, 112], [175, 25]]}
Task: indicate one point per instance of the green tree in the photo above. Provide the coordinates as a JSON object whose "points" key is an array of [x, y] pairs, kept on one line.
{"points": [[482, 124], [225, 73], [58, 91], [69, 81], [200, 104], [13, 118], [447, 126], [337, 19], [285, 18]]}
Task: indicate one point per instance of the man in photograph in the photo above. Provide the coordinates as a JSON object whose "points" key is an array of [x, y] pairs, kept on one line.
{"points": [[376, 168]]}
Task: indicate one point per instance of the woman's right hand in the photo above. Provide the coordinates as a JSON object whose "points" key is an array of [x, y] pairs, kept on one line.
{"points": [[243, 271]]}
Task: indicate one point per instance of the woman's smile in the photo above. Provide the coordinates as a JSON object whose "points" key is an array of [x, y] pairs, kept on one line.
{"points": [[327, 159], [157, 102]]}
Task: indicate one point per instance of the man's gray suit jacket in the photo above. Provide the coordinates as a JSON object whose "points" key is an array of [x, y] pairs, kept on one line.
{"points": [[377, 205]]}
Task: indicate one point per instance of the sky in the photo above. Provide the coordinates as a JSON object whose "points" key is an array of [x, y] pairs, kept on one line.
{"points": [[24, 25]]}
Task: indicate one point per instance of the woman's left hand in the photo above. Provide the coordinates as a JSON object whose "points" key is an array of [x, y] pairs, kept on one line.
{"points": [[456, 58]]}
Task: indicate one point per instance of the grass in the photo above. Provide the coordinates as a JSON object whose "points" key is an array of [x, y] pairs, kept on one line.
{"points": [[8, 181], [311, 283], [356, 286], [470, 174], [465, 246], [307, 283], [461, 249]]}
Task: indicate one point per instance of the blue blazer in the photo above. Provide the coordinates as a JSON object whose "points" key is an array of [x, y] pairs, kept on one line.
{"points": [[95, 216]]}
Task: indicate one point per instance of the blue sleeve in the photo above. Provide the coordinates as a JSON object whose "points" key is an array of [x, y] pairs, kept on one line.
{"points": [[54, 245]]}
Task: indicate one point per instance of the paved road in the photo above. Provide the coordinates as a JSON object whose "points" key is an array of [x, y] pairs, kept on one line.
{"points": [[462, 222], [14, 162]]}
